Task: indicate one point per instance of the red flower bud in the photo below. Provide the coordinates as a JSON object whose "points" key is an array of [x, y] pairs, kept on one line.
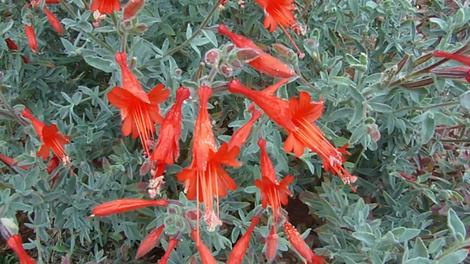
{"points": [[31, 36], [54, 21], [125, 205], [11, 44], [132, 8]]}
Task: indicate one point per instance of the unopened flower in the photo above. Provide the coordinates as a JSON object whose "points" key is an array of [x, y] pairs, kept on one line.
{"points": [[132, 8], [453, 72], [31, 37], [212, 56], [239, 250], [167, 150], [125, 205], [51, 138], [169, 249], [105, 6], [149, 242], [15, 243], [11, 162], [300, 246], [54, 21], [140, 111], [272, 241], [204, 253], [264, 62], [296, 116]]}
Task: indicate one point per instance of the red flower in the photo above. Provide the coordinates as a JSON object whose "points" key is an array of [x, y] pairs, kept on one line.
{"points": [[11, 162], [125, 205], [31, 36], [273, 192], [296, 116], [300, 246], [205, 179], [456, 71], [171, 245], [11, 44], [54, 21], [204, 252], [264, 62], [241, 135], [452, 56], [52, 1], [149, 242], [15, 243], [167, 150], [132, 8], [239, 250], [139, 110], [51, 138], [271, 244], [277, 12], [105, 6]]}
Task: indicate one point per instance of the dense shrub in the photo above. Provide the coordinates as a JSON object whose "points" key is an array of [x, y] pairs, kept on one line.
{"points": [[397, 118]]}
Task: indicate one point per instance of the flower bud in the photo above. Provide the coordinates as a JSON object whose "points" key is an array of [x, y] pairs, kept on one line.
{"points": [[132, 8], [226, 70], [374, 132], [212, 57]]}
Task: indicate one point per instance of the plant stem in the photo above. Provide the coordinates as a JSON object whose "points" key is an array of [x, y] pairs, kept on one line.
{"points": [[195, 33]]}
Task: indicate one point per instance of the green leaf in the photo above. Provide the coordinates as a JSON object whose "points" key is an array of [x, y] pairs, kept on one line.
{"points": [[99, 63], [427, 129], [454, 257], [456, 226], [465, 100], [366, 237]]}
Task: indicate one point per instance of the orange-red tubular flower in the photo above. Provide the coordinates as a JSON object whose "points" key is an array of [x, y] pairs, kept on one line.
{"points": [[296, 116], [271, 244], [149, 242], [453, 70], [105, 6], [205, 179], [11, 162], [277, 12], [169, 249], [15, 243], [204, 252], [125, 205], [452, 56], [31, 36], [139, 111], [54, 21], [241, 135], [264, 62], [300, 246], [167, 150], [239, 250], [132, 8], [51, 138]]}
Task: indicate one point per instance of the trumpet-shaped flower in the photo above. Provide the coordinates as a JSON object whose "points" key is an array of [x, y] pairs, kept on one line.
{"points": [[463, 71], [15, 243], [263, 62], [51, 138], [125, 205], [277, 12], [167, 150], [300, 246], [139, 111], [105, 6], [239, 250], [296, 116]]}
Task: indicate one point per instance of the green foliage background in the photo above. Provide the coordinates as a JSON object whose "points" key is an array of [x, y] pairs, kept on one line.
{"points": [[362, 58]]}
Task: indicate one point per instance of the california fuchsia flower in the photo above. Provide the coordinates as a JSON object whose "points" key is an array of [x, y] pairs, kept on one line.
{"points": [[169, 249], [300, 246], [125, 205], [453, 71], [139, 111], [272, 241], [206, 179], [31, 37], [263, 62], [132, 8], [167, 150], [11, 162], [105, 6], [277, 12], [50, 136], [239, 250], [204, 252], [296, 116], [15, 243], [242, 134], [273, 193], [54, 21], [150, 241]]}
